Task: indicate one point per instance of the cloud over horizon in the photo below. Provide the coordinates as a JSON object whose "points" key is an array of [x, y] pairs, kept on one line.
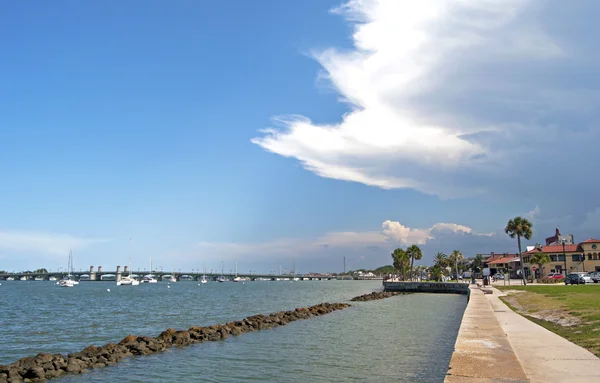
{"points": [[374, 244], [50, 245], [460, 98]]}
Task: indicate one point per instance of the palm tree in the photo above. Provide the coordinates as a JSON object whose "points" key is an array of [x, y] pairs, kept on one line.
{"points": [[477, 263], [401, 261], [540, 259], [441, 259], [519, 227], [456, 257], [414, 252]]}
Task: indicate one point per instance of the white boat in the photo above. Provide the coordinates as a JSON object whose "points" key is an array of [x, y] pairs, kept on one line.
{"points": [[221, 278], [68, 281], [204, 276], [128, 280], [53, 278], [172, 279], [236, 279], [10, 279], [149, 278]]}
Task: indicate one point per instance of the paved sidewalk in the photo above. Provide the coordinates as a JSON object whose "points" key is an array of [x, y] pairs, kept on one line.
{"points": [[482, 353], [544, 356]]}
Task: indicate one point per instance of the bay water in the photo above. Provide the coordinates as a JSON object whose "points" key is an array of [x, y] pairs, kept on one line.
{"points": [[407, 338]]}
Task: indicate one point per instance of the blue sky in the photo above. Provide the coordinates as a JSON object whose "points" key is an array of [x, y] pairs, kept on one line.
{"points": [[390, 124]]}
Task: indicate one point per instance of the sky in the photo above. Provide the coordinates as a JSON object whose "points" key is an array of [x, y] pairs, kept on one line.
{"points": [[280, 133]]}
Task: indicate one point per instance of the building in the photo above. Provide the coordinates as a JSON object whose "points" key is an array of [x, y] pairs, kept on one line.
{"points": [[502, 263], [565, 257]]}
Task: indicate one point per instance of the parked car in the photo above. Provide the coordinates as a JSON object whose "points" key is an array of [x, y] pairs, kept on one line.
{"points": [[586, 277], [574, 279], [555, 276], [595, 276]]}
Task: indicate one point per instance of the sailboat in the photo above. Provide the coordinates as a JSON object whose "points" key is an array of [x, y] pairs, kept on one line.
{"points": [[221, 278], [67, 281], [149, 278], [236, 279], [203, 276], [128, 280]]}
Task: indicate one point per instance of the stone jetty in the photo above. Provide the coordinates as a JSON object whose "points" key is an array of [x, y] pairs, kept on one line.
{"points": [[376, 295], [47, 366]]}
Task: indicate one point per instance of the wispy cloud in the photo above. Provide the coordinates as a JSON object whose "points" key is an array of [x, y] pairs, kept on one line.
{"points": [[456, 98], [54, 244]]}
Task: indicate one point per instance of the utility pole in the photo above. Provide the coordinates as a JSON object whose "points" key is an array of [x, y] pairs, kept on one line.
{"points": [[564, 257]]}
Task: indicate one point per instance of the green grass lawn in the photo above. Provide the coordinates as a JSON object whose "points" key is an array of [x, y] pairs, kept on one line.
{"points": [[572, 312]]}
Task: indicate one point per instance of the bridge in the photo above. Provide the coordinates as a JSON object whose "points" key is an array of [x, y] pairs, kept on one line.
{"points": [[102, 275]]}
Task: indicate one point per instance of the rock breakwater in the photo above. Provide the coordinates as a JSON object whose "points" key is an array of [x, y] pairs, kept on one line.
{"points": [[47, 366], [376, 295]]}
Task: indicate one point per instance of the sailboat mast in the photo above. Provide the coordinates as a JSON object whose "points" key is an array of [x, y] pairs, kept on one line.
{"points": [[129, 255]]}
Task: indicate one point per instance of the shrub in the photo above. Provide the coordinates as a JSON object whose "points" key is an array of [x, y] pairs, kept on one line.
{"points": [[551, 280]]}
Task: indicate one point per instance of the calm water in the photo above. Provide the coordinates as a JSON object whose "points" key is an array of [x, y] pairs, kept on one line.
{"points": [[407, 338]]}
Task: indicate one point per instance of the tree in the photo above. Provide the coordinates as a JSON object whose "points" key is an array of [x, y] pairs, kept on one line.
{"points": [[420, 270], [414, 252], [540, 259], [383, 270], [436, 272], [477, 263], [401, 261], [441, 260], [456, 257], [519, 227]]}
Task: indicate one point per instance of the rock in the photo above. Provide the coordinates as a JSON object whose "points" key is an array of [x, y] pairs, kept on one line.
{"points": [[54, 373], [14, 372], [181, 338], [167, 336], [375, 295], [35, 374], [76, 366], [129, 339]]}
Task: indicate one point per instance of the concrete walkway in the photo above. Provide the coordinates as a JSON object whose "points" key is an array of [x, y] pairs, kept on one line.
{"points": [[482, 352], [544, 356]]}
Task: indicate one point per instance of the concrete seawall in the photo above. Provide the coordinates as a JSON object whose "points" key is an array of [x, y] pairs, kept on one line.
{"points": [[427, 287]]}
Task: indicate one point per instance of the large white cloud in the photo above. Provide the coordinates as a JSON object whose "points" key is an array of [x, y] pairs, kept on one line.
{"points": [[461, 97]]}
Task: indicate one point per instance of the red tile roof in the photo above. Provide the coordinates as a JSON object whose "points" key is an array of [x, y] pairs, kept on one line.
{"points": [[591, 240], [555, 249], [504, 259]]}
